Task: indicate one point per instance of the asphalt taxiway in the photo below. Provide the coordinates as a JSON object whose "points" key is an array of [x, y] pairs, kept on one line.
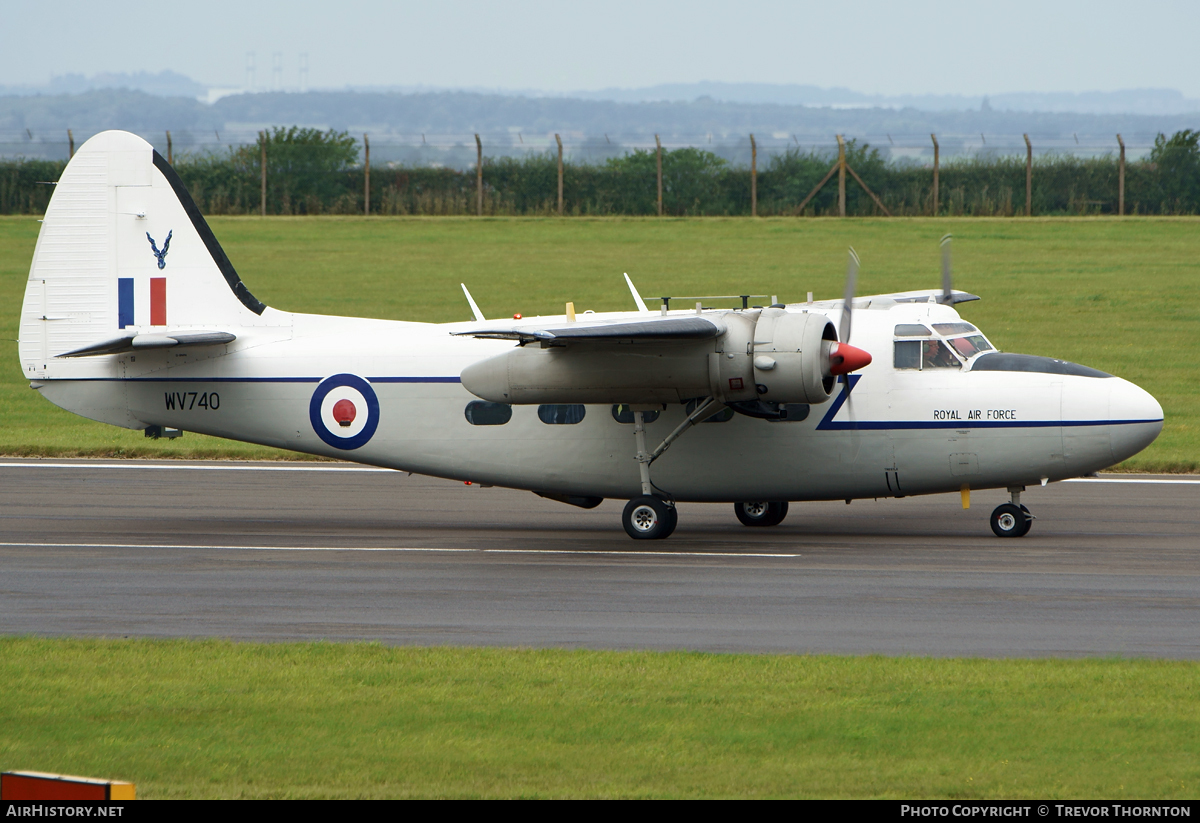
{"points": [[288, 551]]}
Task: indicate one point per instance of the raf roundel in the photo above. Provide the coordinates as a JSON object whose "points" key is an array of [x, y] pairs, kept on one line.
{"points": [[344, 411]]}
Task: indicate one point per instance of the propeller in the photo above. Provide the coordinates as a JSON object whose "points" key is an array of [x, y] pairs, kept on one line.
{"points": [[851, 280], [946, 280]]}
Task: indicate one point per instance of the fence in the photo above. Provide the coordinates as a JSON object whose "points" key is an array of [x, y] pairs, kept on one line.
{"points": [[551, 175]]}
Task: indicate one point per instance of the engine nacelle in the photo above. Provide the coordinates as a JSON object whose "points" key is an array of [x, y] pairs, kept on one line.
{"points": [[770, 355], [792, 357]]}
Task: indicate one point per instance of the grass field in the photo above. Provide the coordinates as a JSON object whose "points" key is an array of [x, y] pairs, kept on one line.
{"points": [[217, 719], [1121, 295]]}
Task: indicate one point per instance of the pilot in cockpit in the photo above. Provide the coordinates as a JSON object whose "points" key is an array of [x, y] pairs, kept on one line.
{"points": [[937, 356]]}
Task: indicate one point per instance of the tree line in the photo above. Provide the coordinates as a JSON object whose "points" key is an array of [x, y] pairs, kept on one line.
{"points": [[322, 172]]}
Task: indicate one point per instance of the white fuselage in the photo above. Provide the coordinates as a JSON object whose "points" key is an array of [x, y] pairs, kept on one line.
{"points": [[900, 431]]}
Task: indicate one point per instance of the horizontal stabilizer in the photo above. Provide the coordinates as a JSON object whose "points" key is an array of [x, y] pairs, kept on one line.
{"points": [[667, 329], [136, 342]]}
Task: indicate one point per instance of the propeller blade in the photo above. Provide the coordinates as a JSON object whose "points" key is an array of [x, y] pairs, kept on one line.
{"points": [[946, 279], [847, 308]]}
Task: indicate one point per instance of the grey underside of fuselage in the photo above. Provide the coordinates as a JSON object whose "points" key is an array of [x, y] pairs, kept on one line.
{"points": [[422, 429]]}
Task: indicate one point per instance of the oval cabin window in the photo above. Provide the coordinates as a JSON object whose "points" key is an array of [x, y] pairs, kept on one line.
{"points": [[483, 413], [561, 414]]}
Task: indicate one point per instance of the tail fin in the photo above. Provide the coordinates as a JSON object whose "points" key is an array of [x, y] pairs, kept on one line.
{"points": [[124, 250]]}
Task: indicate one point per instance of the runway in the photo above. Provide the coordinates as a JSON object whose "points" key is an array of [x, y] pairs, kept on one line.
{"points": [[308, 551]]}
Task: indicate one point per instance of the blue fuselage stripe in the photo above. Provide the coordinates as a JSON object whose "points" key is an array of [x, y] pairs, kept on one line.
{"points": [[251, 379]]}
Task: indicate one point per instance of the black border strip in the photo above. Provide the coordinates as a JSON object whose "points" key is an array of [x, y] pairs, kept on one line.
{"points": [[210, 241]]}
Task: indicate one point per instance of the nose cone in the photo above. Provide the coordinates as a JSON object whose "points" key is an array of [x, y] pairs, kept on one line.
{"points": [[1136, 419]]}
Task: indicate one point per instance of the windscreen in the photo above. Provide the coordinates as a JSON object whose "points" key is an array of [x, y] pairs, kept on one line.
{"points": [[970, 346]]}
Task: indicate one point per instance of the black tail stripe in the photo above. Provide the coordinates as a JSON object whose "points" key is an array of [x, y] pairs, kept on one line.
{"points": [[210, 241]]}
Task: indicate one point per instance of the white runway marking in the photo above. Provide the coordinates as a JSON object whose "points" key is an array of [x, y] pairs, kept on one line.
{"points": [[631, 553], [38, 464], [222, 467], [1162, 480]]}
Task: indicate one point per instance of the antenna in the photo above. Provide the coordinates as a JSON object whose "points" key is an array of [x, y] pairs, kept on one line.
{"points": [[249, 71], [474, 308], [637, 298], [303, 71], [277, 71]]}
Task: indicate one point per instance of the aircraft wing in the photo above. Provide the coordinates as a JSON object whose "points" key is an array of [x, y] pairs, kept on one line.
{"points": [[666, 329], [162, 340]]}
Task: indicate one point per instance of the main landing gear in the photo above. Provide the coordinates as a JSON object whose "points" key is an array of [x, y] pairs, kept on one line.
{"points": [[1012, 519], [653, 516], [649, 517], [761, 514]]}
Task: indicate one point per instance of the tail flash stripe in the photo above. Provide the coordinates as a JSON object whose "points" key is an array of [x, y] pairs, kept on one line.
{"points": [[158, 301], [210, 241], [124, 302]]}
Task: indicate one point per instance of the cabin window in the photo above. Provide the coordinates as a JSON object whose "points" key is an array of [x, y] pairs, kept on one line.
{"points": [[953, 328], [482, 413], [912, 330], [622, 413], [561, 414], [970, 346], [722, 416]]}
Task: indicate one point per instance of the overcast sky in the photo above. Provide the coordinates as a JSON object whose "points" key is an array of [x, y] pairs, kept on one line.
{"points": [[912, 47]]}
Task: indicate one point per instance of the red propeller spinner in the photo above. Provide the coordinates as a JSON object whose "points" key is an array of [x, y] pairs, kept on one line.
{"points": [[844, 358]]}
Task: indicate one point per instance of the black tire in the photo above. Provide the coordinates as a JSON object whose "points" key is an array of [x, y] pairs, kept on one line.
{"points": [[760, 514], [1028, 521], [649, 518], [1009, 521], [673, 514]]}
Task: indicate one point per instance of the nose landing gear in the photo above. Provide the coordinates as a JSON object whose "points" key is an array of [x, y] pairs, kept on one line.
{"points": [[1012, 519]]}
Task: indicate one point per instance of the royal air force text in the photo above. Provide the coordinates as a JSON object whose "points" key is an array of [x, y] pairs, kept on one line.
{"points": [[975, 414], [189, 400]]}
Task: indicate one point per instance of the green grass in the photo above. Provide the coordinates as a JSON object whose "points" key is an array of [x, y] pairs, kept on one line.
{"points": [[1121, 295], [218, 719]]}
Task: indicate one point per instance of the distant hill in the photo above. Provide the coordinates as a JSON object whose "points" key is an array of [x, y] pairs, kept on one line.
{"points": [[163, 84], [1129, 101], [36, 125]]}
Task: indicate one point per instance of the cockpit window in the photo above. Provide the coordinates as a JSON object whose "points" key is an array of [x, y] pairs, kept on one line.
{"points": [[912, 330], [924, 354], [970, 346], [953, 328], [935, 355]]}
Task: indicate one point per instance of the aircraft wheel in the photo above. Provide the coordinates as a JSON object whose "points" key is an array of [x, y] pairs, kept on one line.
{"points": [[649, 518], [1028, 521], [761, 514], [1010, 521]]}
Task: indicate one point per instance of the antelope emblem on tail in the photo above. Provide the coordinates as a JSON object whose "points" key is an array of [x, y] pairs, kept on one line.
{"points": [[161, 255]]}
